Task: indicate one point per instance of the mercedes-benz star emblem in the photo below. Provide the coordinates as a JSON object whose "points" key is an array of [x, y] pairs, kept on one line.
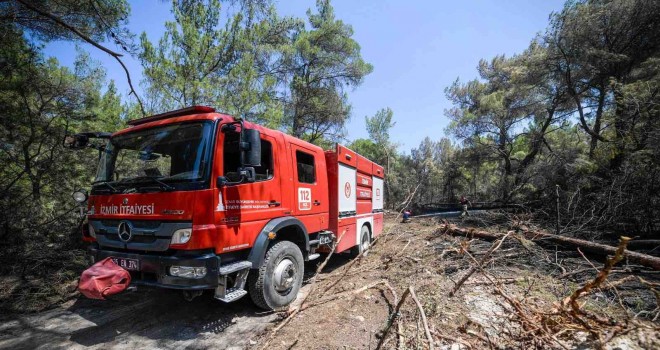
{"points": [[125, 201], [124, 231]]}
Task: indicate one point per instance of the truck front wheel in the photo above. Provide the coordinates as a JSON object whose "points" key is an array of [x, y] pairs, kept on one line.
{"points": [[277, 281]]}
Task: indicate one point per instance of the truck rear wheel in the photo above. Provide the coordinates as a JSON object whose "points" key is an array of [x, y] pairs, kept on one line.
{"points": [[277, 281], [364, 243]]}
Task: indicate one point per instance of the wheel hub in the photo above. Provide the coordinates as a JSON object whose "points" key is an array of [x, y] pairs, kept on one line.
{"points": [[284, 275]]}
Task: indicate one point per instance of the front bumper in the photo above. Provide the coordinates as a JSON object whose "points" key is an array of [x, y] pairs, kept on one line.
{"points": [[154, 268]]}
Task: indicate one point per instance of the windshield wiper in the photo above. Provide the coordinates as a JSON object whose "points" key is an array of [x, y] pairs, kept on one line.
{"points": [[114, 190], [138, 179]]}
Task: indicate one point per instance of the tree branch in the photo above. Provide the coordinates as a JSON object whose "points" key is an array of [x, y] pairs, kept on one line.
{"points": [[89, 40]]}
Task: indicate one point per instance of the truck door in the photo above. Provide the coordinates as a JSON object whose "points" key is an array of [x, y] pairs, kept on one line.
{"points": [[249, 205], [310, 192]]}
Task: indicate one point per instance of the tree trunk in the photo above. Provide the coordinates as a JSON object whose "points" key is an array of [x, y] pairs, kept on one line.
{"points": [[621, 129], [597, 122], [296, 126]]}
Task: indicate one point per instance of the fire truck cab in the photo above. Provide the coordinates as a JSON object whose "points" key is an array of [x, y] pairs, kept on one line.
{"points": [[194, 199]]}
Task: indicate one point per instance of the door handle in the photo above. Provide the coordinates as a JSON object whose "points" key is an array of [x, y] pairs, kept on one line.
{"points": [[274, 203], [317, 202]]}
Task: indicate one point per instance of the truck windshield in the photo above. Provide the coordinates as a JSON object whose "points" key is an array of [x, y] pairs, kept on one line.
{"points": [[158, 156]]}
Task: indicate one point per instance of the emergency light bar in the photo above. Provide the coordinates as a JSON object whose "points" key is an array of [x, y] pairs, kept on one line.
{"points": [[176, 113]]}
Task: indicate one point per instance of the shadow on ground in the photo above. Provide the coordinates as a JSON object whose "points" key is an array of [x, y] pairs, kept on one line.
{"points": [[145, 318]]}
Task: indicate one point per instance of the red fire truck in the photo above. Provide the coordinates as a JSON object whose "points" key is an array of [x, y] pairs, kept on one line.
{"points": [[194, 199]]}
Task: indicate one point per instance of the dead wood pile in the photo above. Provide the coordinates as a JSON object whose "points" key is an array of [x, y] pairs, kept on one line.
{"points": [[593, 247], [446, 288]]}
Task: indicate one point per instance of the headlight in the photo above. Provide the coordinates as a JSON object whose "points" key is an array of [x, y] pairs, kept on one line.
{"points": [[80, 196], [92, 233], [181, 236], [188, 271]]}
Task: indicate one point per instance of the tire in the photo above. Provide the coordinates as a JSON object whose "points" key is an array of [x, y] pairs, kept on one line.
{"points": [[365, 242], [277, 281]]}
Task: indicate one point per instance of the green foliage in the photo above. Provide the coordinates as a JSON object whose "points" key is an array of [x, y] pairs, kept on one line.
{"points": [[366, 148], [320, 63], [272, 70], [41, 101], [201, 61], [578, 110], [99, 20], [379, 126]]}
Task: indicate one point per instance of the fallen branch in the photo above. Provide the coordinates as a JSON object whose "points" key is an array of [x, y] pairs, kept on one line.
{"points": [[478, 265], [342, 294], [392, 318], [528, 322], [424, 321], [603, 249], [399, 331], [600, 278]]}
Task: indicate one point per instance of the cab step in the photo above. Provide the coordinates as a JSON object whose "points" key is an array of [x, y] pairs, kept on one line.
{"points": [[313, 256], [234, 267], [232, 294], [226, 293]]}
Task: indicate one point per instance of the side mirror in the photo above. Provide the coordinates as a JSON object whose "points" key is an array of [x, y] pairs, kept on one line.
{"points": [[81, 140], [251, 147], [76, 141]]}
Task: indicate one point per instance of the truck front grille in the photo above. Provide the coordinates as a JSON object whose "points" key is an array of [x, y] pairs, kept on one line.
{"points": [[135, 238], [139, 224], [147, 235]]}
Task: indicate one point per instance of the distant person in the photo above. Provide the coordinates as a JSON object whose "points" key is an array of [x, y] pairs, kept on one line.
{"points": [[464, 204], [406, 215]]}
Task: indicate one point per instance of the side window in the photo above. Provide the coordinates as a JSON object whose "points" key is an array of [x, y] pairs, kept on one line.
{"points": [[306, 170], [232, 160], [265, 171]]}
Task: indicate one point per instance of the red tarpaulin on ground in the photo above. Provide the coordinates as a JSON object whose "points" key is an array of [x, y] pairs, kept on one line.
{"points": [[103, 279]]}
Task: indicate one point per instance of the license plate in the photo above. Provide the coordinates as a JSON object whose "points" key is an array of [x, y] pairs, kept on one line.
{"points": [[128, 264]]}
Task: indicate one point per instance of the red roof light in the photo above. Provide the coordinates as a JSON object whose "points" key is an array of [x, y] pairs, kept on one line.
{"points": [[171, 114]]}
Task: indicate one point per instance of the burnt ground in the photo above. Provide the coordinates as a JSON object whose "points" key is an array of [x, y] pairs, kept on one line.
{"points": [[513, 303]]}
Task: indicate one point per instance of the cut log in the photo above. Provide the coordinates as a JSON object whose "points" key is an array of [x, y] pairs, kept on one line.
{"points": [[598, 248]]}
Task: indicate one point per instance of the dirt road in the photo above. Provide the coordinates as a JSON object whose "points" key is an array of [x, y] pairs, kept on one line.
{"points": [[146, 318], [142, 319]]}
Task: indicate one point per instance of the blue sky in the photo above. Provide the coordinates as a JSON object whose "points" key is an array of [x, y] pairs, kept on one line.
{"points": [[417, 49]]}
